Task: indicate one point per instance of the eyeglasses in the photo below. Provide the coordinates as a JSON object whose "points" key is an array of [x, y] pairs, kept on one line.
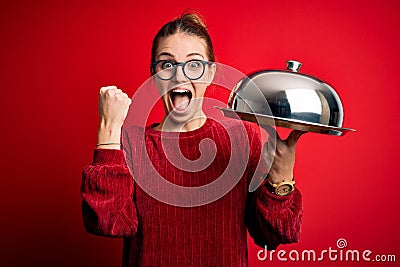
{"points": [[192, 69]]}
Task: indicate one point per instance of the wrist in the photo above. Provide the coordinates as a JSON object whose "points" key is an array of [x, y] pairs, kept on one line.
{"points": [[109, 145], [108, 134], [281, 188], [275, 179]]}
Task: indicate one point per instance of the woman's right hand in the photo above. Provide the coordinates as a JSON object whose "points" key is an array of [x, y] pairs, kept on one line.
{"points": [[113, 108]]}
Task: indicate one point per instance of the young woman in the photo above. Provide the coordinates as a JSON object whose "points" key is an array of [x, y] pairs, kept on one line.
{"points": [[158, 233]]}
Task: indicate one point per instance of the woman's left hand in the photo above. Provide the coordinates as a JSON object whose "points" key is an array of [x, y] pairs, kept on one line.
{"points": [[281, 153]]}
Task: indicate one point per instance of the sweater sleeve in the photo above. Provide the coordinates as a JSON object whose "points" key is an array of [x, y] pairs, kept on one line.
{"points": [[107, 195], [271, 219]]}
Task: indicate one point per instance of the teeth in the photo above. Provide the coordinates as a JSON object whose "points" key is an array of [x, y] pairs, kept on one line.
{"points": [[181, 91]]}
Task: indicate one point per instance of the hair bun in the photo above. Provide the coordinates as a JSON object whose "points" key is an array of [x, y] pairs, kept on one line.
{"points": [[194, 19], [190, 23]]}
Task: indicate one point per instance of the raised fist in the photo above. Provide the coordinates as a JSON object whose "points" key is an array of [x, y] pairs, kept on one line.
{"points": [[113, 108]]}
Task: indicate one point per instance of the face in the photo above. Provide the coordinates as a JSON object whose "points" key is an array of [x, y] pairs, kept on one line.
{"points": [[181, 96]]}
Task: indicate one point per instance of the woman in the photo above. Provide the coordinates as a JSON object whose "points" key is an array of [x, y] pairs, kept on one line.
{"points": [[157, 233]]}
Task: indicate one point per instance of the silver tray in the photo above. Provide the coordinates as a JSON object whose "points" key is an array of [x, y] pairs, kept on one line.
{"points": [[287, 123]]}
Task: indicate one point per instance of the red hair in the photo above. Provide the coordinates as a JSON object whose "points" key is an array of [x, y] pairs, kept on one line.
{"points": [[189, 23]]}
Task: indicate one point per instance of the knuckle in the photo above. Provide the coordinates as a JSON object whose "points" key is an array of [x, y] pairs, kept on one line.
{"points": [[111, 92], [103, 90]]}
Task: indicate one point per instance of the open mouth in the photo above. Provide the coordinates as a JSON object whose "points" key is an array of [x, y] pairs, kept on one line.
{"points": [[180, 98]]}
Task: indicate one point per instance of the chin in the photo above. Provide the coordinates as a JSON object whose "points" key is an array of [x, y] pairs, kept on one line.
{"points": [[183, 116]]}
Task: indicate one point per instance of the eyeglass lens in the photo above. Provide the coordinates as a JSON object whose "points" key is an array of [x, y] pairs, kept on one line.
{"points": [[192, 69]]}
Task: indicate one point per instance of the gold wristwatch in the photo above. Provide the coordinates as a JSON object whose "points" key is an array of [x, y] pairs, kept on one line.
{"points": [[282, 188]]}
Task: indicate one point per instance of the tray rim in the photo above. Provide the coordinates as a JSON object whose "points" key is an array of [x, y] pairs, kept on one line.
{"points": [[322, 127]]}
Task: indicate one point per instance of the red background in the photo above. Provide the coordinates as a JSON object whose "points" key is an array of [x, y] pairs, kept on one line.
{"points": [[55, 55]]}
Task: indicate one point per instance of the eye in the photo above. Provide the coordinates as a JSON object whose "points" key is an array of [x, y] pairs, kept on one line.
{"points": [[165, 65], [194, 64]]}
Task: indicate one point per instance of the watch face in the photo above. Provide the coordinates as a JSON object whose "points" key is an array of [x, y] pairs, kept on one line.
{"points": [[284, 189]]}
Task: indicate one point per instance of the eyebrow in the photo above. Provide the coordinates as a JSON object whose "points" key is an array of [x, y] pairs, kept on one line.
{"points": [[188, 55], [165, 54], [194, 54]]}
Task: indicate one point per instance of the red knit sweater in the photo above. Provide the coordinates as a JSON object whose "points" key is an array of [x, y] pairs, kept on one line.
{"points": [[159, 234]]}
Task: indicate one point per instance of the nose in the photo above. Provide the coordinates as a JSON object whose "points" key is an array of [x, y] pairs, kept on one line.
{"points": [[179, 75]]}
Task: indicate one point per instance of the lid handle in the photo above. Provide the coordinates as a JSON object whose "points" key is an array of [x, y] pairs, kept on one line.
{"points": [[293, 65]]}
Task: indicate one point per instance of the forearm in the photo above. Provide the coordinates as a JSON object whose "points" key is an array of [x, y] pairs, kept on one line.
{"points": [[107, 188], [274, 220]]}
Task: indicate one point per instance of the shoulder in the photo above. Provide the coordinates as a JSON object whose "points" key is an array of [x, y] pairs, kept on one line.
{"points": [[131, 135], [133, 130]]}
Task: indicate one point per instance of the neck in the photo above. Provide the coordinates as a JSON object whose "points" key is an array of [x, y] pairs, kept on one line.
{"points": [[190, 125]]}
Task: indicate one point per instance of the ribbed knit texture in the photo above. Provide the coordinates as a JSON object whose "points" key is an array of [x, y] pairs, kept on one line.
{"points": [[159, 234]]}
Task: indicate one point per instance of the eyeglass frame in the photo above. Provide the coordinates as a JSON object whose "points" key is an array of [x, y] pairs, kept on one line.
{"points": [[183, 64]]}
